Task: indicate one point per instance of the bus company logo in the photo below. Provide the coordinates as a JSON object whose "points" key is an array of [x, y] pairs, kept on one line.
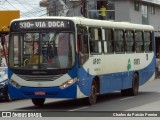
{"points": [[6, 114], [20, 114], [129, 65]]}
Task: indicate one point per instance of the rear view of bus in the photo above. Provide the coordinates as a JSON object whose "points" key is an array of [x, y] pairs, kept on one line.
{"points": [[42, 60]]}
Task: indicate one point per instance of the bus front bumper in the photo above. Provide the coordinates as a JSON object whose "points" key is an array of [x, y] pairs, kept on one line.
{"points": [[48, 92]]}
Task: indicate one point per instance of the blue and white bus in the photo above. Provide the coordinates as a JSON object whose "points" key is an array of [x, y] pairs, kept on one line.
{"points": [[73, 57]]}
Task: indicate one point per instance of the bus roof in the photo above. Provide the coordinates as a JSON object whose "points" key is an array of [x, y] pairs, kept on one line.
{"points": [[96, 23]]}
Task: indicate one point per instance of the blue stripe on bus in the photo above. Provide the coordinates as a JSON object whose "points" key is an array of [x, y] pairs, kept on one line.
{"points": [[10, 73], [73, 72], [114, 81], [108, 82]]}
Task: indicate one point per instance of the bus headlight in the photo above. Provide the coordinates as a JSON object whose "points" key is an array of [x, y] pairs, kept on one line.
{"points": [[68, 83], [15, 84]]}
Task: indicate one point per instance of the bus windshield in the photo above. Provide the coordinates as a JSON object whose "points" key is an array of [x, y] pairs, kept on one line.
{"points": [[48, 50]]}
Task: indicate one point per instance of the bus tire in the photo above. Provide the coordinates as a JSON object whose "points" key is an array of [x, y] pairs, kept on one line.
{"points": [[38, 101], [135, 85], [8, 98], [7, 94], [94, 91]]}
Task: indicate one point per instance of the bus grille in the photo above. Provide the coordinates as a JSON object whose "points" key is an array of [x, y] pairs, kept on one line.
{"points": [[40, 77]]}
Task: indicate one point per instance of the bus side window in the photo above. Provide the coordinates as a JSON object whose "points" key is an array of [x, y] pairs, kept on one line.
{"points": [[139, 47], [83, 44], [107, 39], [147, 41], [82, 39], [95, 40], [129, 39], [119, 40]]}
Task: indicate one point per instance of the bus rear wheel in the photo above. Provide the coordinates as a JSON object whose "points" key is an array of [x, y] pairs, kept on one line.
{"points": [[93, 96], [135, 85], [38, 101]]}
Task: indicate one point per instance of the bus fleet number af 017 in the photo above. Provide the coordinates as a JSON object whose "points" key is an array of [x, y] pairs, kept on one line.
{"points": [[96, 61]]}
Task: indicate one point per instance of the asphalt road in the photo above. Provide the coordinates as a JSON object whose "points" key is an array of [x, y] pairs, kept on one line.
{"points": [[148, 99]]}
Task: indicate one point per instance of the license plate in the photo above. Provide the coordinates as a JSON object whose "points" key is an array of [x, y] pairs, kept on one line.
{"points": [[42, 93]]}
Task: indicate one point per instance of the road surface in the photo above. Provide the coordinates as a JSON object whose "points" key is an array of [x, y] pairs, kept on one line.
{"points": [[148, 99]]}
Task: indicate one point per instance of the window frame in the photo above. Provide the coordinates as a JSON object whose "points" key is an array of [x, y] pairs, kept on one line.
{"points": [[133, 40], [152, 9], [145, 13], [123, 41], [151, 41], [136, 8], [94, 40], [82, 32], [111, 41], [140, 51]]}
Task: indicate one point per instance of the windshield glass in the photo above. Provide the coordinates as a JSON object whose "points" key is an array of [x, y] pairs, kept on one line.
{"points": [[50, 50]]}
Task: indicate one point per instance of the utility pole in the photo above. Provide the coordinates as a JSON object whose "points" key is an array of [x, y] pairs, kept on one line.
{"points": [[84, 8]]}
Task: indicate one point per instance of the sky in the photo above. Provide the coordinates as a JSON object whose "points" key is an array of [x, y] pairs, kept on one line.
{"points": [[28, 8]]}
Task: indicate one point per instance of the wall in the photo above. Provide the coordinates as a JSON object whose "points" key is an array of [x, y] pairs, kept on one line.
{"points": [[155, 19], [135, 16], [125, 12], [122, 10]]}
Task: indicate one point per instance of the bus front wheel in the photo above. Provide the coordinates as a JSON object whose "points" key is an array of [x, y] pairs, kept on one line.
{"points": [[38, 101], [93, 96]]}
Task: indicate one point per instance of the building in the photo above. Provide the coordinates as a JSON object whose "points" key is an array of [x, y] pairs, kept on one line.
{"points": [[62, 7], [135, 11], [6, 17]]}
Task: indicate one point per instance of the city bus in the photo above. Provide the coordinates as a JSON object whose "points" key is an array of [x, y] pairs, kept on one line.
{"points": [[76, 57]]}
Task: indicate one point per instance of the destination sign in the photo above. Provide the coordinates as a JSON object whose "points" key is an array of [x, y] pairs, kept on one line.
{"points": [[44, 24]]}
